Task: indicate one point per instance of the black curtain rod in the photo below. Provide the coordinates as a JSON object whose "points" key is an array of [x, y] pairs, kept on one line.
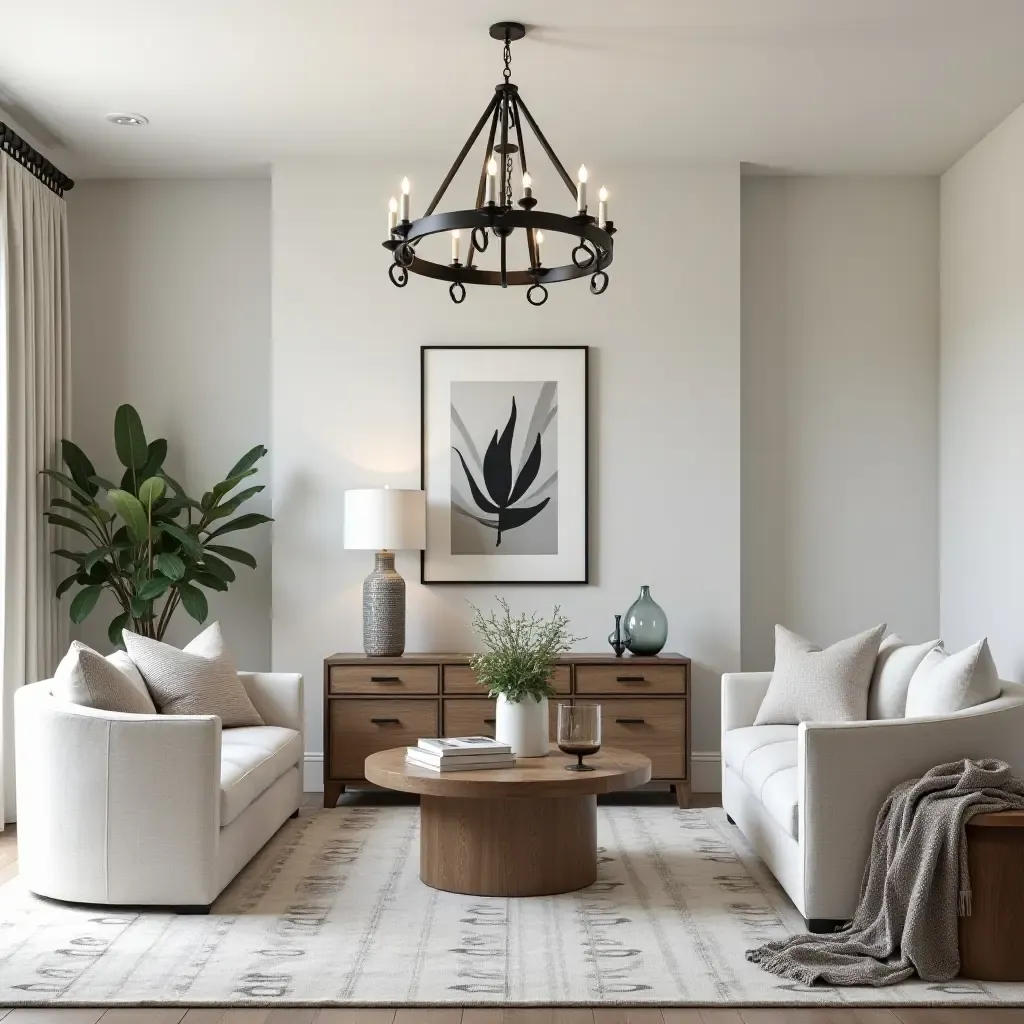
{"points": [[33, 161]]}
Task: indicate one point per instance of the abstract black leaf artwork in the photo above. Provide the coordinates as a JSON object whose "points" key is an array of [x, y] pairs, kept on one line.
{"points": [[503, 503], [505, 463]]}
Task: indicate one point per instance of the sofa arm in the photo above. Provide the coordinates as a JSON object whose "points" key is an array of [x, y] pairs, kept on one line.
{"points": [[116, 808], [846, 770], [742, 694], [277, 696]]}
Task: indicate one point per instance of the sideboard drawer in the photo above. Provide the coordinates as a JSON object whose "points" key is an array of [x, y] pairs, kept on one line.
{"points": [[362, 727], [474, 717], [627, 679], [383, 679], [462, 679], [655, 727]]}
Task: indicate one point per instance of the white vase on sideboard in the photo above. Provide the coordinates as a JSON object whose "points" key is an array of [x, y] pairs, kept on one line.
{"points": [[523, 726]]}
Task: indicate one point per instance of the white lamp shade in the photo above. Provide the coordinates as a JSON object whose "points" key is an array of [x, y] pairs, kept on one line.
{"points": [[385, 519]]}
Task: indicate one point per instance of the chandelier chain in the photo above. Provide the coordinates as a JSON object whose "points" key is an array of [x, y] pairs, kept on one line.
{"points": [[508, 60]]}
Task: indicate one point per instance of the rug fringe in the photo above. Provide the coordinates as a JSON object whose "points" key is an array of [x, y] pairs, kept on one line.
{"points": [[777, 962], [965, 902]]}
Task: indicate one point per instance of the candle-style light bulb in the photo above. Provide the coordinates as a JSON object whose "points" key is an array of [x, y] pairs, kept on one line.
{"points": [[404, 208], [602, 207], [455, 246], [392, 214], [492, 170], [527, 185], [538, 237], [581, 190]]}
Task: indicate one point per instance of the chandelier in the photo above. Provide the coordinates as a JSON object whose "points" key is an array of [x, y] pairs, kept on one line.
{"points": [[494, 213]]}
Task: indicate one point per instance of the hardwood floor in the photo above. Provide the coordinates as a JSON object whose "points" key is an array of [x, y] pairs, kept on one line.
{"points": [[471, 1015]]}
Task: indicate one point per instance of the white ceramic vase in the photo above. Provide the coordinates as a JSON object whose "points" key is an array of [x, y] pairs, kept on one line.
{"points": [[523, 726]]}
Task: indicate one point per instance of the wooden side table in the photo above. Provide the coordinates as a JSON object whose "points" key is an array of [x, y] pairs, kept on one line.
{"points": [[992, 938]]}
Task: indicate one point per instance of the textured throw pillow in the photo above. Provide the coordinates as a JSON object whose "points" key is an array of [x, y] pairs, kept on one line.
{"points": [[87, 678], [895, 665], [814, 685], [199, 680], [946, 683]]}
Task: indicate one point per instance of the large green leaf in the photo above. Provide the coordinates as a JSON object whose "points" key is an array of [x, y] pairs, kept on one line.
{"points": [[230, 507], [83, 495], [152, 589], [208, 580], [130, 509], [85, 511], [130, 438], [84, 602], [188, 541], [219, 490], [81, 468], [117, 624], [218, 567], [155, 455], [235, 554], [70, 524], [71, 556], [195, 602], [66, 584], [140, 609], [100, 481], [175, 486], [151, 490], [246, 522], [247, 461], [170, 565], [94, 556]]}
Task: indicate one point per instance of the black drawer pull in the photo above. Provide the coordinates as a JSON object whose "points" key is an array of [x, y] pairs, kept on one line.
{"points": [[384, 721], [385, 679], [489, 721], [630, 721], [630, 679]]}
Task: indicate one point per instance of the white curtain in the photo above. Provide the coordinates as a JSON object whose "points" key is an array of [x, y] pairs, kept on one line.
{"points": [[35, 397]]}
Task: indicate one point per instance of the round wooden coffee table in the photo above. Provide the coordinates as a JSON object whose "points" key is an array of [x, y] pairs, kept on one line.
{"points": [[524, 831]]}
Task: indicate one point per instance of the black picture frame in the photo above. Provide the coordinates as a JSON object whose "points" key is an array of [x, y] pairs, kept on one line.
{"points": [[584, 578]]}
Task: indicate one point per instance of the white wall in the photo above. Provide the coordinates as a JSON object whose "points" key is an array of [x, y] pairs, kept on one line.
{"points": [[170, 310], [840, 390], [665, 432], [982, 430]]}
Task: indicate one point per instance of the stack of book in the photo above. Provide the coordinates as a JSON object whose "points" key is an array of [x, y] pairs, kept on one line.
{"points": [[460, 754]]}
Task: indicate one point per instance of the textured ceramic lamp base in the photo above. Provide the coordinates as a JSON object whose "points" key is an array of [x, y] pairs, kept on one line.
{"points": [[384, 609]]}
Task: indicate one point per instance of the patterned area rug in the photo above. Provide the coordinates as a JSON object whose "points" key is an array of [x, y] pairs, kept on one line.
{"points": [[332, 912]]}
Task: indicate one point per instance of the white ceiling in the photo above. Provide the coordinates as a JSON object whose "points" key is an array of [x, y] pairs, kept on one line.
{"points": [[842, 86]]}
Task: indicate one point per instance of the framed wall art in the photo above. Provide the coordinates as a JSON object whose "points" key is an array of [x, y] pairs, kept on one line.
{"points": [[504, 463]]}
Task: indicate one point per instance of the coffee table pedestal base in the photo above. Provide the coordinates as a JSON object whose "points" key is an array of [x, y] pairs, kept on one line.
{"points": [[508, 847]]}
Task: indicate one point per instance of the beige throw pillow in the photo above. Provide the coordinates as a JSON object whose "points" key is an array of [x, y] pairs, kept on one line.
{"points": [[814, 685], [87, 678], [895, 665], [947, 683], [199, 680]]}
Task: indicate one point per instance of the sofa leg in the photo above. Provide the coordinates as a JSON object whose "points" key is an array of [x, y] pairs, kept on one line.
{"points": [[823, 925], [729, 819], [194, 909], [294, 813]]}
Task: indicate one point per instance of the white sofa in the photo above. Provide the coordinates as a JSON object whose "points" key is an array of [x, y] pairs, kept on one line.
{"points": [[147, 810], [807, 796]]}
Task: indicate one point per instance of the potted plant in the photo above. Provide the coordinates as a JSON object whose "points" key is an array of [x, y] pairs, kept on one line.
{"points": [[150, 544], [516, 669]]}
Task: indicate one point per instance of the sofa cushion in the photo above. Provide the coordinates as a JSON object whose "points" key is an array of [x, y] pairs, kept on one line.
{"points": [[764, 757], [108, 684], [252, 758], [894, 667], [947, 683], [814, 685]]}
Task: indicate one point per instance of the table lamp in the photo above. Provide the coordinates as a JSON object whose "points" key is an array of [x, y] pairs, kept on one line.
{"points": [[384, 520]]}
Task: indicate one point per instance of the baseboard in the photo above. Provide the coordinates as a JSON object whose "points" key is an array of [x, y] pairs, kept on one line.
{"points": [[706, 767]]}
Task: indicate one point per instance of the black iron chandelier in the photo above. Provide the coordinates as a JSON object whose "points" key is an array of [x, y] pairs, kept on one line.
{"points": [[494, 213]]}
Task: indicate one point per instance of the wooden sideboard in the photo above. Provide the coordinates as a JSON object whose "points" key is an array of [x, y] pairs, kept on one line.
{"points": [[373, 704]]}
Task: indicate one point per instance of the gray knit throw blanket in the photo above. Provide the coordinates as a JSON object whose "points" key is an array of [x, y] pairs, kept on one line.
{"points": [[915, 885]]}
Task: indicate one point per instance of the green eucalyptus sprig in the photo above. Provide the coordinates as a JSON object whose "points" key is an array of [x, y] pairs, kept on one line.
{"points": [[521, 651], [142, 550]]}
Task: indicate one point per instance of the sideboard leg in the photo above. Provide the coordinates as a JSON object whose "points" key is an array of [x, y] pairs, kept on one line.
{"points": [[682, 793], [332, 793]]}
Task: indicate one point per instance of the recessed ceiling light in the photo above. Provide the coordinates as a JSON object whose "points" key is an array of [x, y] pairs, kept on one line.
{"points": [[129, 120]]}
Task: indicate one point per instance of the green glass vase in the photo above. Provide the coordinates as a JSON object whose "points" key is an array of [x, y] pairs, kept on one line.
{"points": [[646, 624]]}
